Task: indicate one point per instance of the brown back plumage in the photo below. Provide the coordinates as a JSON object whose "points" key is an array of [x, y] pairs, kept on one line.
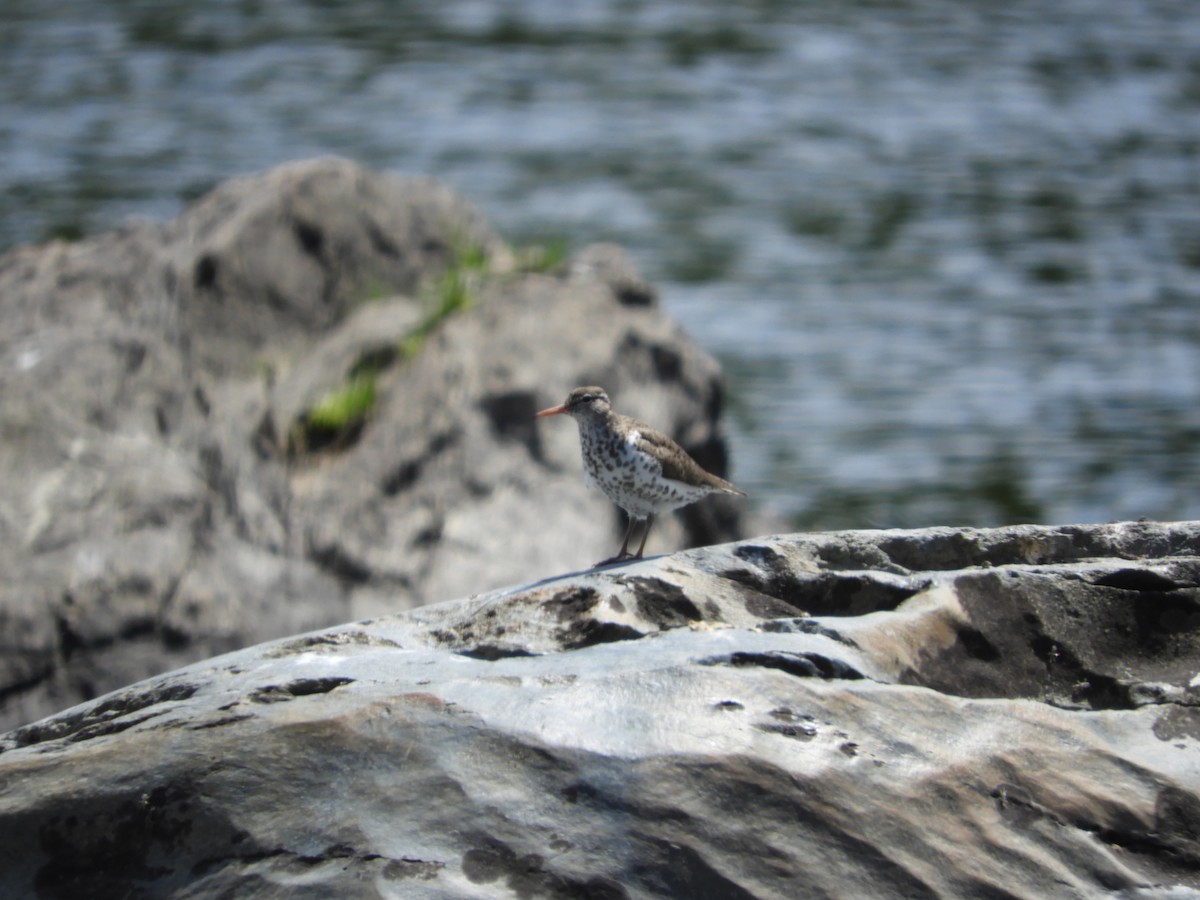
{"points": [[676, 463]]}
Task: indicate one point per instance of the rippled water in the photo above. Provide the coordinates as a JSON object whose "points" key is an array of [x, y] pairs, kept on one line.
{"points": [[949, 253]]}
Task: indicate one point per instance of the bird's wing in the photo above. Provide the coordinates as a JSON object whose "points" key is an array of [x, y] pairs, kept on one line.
{"points": [[676, 464]]}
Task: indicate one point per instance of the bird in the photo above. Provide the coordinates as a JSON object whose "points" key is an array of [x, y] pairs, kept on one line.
{"points": [[638, 468]]}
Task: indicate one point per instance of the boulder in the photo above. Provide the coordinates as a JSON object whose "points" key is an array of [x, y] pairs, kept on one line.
{"points": [[185, 468], [935, 713]]}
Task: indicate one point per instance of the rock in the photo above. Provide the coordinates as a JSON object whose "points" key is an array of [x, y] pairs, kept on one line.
{"points": [[275, 258], [170, 490], [791, 716]]}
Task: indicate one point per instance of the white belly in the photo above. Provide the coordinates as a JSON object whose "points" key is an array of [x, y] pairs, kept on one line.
{"points": [[632, 479]]}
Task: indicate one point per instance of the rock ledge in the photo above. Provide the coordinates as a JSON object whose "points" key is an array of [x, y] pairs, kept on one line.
{"points": [[943, 712]]}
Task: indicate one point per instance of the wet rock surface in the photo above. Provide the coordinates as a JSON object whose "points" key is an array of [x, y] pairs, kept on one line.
{"points": [[184, 469], [790, 716]]}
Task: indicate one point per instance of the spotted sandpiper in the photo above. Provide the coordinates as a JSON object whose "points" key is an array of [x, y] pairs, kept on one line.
{"points": [[641, 470]]}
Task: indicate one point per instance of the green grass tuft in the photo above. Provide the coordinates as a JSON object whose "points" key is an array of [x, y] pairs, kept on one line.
{"points": [[544, 256], [344, 407], [451, 292]]}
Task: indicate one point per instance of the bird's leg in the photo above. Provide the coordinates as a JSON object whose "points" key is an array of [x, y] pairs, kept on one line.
{"points": [[623, 553], [645, 534]]}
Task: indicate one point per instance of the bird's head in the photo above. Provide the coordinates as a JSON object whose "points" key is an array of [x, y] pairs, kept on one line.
{"points": [[582, 404]]}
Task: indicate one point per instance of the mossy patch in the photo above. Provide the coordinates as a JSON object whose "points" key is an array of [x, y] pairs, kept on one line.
{"points": [[337, 419]]}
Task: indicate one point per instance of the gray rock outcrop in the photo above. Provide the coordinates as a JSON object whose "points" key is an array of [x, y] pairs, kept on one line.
{"points": [[936, 713], [169, 490]]}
